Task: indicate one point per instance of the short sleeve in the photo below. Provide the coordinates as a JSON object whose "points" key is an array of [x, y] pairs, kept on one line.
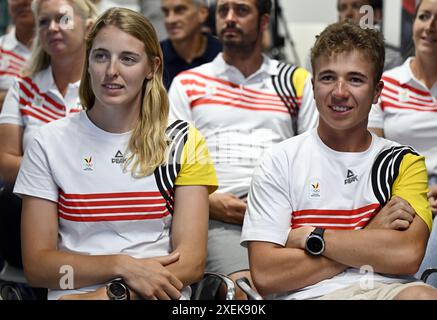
{"points": [[308, 115], [412, 186], [179, 102], [35, 177], [10, 113], [269, 208], [197, 167]]}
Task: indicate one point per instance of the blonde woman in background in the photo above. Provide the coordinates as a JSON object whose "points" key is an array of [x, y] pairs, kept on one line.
{"points": [[47, 92]]}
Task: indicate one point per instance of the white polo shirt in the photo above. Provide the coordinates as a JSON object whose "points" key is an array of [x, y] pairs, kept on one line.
{"points": [[240, 117], [407, 111], [35, 101], [13, 57]]}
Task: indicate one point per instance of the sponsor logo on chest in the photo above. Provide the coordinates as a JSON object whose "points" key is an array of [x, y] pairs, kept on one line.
{"points": [[350, 177]]}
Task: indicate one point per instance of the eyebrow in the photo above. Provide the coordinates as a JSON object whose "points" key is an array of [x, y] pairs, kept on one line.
{"points": [[353, 73], [123, 52]]}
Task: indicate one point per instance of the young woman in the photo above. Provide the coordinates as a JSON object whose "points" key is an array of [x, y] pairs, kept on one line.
{"points": [[48, 92], [117, 196]]}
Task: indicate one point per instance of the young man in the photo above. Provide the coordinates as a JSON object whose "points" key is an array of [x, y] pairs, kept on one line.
{"points": [[329, 206], [242, 102], [187, 46]]}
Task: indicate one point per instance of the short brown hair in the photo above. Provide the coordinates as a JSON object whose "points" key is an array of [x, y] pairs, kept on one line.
{"points": [[343, 37]]}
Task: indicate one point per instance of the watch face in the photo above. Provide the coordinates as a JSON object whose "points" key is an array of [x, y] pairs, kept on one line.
{"points": [[315, 244], [117, 289]]}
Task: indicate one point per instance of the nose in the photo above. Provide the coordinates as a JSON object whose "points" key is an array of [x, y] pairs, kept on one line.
{"points": [[230, 15], [340, 90], [431, 25], [112, 69], [170, 17], [53, 25]]}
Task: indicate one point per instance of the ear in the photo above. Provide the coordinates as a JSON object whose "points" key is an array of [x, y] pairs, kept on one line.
{"points": [[156, 62], [378, 90], [203, 14], [264, 23], [89, 24]]}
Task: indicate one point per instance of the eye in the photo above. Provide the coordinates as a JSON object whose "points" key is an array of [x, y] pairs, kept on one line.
{"points": [[128, 60], [222, 11], [356, 80], [242, 10], [100, 56], [423, 16], [43, 22], [326, 78]]}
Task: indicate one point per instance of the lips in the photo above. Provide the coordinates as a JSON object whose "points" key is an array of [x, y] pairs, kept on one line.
{"points": [[340, 109], [112, 86], [429, 39]]}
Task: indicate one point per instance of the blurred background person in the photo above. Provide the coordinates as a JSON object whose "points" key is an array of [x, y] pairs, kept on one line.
{"points": [[48, 91], [15, 46], [187, 46], [349, 10], [407, 110]]}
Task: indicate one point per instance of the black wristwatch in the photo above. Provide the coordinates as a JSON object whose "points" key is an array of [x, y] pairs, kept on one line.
{"points": [[117, 290], [315, 243]]}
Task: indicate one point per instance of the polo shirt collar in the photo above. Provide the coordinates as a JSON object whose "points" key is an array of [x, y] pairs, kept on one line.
{"points": [[407, 74], [45, 82], [268, 66]]}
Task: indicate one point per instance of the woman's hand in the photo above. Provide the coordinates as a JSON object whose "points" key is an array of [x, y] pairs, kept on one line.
{"points": [[150, 279]]}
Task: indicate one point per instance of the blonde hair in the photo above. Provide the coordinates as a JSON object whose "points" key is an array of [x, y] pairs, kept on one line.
{"points": [[40, 60], [148, 143]]}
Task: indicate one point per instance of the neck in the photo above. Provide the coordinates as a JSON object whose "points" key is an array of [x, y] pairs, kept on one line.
{"points": [[247, 61], [425, 69], [67, 70], [115, 119], [24, 36], [345, 141], [191, 48]]}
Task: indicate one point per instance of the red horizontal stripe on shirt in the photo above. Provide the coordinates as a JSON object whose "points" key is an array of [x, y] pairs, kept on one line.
{"points": [[113, 218], [406, 86], [386, 104], [108, 195], [227, 83], [329, 220], [110, 203], [12, 54], [407, 102], [200, 102], [111, 210], [332, 212], [10, 74], [46, 97], [27, 112], [24, 103]]}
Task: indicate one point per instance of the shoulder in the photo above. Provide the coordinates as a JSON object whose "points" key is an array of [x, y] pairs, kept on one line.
{"points": [[397, 73], [293, 146]]}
